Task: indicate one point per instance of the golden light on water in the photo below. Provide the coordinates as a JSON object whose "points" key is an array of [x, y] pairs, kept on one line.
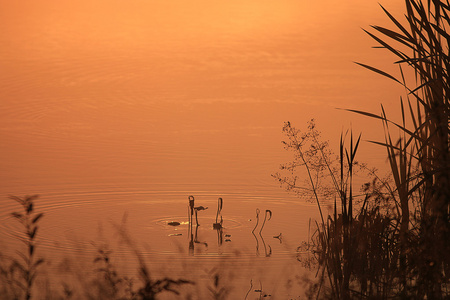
{"points": [[109, 107]]}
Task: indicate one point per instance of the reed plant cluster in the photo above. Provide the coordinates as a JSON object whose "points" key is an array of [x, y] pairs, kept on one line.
{"points": [[395, 242]]}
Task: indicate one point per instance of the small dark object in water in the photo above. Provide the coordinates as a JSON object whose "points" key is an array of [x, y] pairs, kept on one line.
{"points": [[279, 237], [200, 207], [227, 240], [174, 223], [217, 226], [227, 235]]}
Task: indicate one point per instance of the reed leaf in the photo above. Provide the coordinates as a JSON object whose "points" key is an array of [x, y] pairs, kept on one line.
{"points": [[378, 71], [36, 218], [368, 114], [394, 35], [397, 23], [386, 45]]}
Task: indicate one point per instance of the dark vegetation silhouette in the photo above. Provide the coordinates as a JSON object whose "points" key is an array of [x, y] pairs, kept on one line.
{"points": [[150, 287], [20, 273], [395, 243]]}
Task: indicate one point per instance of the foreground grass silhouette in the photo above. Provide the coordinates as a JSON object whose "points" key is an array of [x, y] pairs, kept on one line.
{"points": [[18, 275], [21, 273]]}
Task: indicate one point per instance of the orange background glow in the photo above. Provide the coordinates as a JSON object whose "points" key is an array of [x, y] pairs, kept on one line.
{"points": [[114, 106]]}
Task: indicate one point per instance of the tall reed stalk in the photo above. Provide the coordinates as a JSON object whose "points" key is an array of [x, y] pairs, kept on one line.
{"points": [[336, 239], [420, 158]]}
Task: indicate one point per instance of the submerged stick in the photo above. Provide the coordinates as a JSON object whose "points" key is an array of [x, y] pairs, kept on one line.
{"points": [[217, 224], [191, 208]]}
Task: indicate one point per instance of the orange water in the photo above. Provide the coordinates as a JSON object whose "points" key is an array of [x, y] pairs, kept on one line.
{"points": [[113, 108]]}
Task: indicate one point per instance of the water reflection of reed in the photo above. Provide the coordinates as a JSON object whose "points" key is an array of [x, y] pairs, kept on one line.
{"points": [[268, 212], [193, 237], [217, 226]]}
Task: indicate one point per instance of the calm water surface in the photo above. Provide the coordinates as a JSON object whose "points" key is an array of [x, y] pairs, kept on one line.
{"points": [[114, 110]]}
